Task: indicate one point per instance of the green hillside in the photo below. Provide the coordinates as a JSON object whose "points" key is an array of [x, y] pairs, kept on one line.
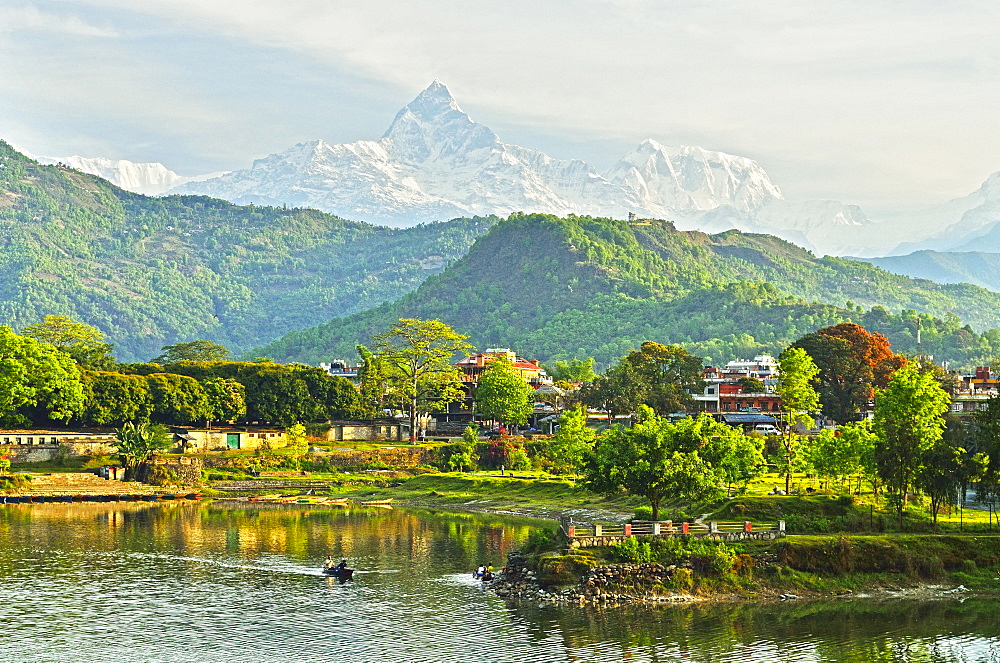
{"points": [[554, 288], [152, 271]]}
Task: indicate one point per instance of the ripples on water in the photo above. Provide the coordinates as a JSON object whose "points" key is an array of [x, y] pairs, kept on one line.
{"points": [[196, 583]]}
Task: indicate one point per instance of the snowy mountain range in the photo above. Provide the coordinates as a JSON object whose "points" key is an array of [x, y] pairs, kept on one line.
{"points": [[969, 223], [151, 179], [435, 162]]}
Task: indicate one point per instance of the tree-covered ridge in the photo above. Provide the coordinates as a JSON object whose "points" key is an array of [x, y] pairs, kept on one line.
{"points": [[151, 271], [554, 288]]}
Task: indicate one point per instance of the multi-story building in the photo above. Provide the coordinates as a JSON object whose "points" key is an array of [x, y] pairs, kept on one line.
{"points": [[472, 368]]}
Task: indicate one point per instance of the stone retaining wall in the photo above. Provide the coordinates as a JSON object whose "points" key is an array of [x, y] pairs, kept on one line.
{"points": [[187, 469], [394, 456]]}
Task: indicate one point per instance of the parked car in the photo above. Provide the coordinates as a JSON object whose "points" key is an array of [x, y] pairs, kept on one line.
{"points": [[766, 429]]}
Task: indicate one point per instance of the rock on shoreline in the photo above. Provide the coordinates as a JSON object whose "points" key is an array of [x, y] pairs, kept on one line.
{"points": [[614, 584]]}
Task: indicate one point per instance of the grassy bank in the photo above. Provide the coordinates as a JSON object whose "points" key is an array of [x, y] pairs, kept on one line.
{"points": [[803, 566], [540, 496]]}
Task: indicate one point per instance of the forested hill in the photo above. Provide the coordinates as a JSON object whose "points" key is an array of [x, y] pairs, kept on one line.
{"points": [[553, 288], [154, 271]]}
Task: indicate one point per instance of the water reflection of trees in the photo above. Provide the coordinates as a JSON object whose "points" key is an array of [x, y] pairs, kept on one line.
{"points": [[427, 541], [858, 630]]}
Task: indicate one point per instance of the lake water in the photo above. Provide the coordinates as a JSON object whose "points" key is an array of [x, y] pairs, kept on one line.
{"points": [[197, 583]]}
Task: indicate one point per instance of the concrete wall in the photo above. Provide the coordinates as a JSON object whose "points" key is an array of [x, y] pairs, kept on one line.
{"points": [[37, 453], [364, 431], [23, 444]]}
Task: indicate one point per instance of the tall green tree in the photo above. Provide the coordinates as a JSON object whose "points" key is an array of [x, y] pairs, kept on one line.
{"points": [[502, 395], [571, 446], [945, 470], [177, 399], [277, 393], [83, 342], [574, 371], [114, 398], [192, 351], [796, 385], [227, 399], [296, 443], [617, 391], [908, 422], [136, 443], [668, 374], [797, 374], [751, 385], [37, 375], [986, 440], [419, 356], [659, 460], [373, 376], [833, 456]]}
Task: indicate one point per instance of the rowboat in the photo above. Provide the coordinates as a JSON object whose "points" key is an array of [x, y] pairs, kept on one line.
{"points": [[337, 572]]}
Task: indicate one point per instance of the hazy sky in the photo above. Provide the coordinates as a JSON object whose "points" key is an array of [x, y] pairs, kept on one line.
{"points": [[890, 105]]}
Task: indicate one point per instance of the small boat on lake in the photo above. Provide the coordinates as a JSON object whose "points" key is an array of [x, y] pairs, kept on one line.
{"points": [[386, 502], [339, 573]]}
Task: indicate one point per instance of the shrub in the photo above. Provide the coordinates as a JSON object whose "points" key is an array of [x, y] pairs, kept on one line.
{"points": [[705, 556], [743, 565], [712, 558], [14, 481], [682, 579], [634, 549], [541, 540], [159, 475], [644, 513]]}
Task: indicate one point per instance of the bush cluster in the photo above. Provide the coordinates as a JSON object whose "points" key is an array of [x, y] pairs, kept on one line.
{"points": [[704, 556]]}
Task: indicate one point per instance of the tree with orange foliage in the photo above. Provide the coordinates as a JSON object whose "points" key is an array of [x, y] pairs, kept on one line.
{"points": [[853, 363]]}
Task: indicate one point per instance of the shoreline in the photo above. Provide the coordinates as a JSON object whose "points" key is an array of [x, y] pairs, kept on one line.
{"points": [[760, 585]]}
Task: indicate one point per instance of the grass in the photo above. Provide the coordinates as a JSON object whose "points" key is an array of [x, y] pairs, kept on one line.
{"points": [[540, 495]]}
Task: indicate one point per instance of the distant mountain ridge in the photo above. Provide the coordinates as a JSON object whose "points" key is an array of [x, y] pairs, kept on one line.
{"points": [[975, 267]]}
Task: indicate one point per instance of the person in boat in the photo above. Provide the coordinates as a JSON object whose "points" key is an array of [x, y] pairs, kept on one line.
{"points": [[481, 571], [342, 566], [328, 564]]}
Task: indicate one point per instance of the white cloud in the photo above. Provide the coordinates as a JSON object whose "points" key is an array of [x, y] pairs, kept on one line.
{"points": [[30, 17], [882, 103]]}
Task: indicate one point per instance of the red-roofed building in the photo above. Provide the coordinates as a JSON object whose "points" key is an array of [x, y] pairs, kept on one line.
{"points": [[472, 368], [531, 370]]}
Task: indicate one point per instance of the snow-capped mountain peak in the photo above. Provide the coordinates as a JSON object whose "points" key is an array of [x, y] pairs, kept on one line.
{"points": [[432, 127], [691, 178], [150, 178], [436, 162]]}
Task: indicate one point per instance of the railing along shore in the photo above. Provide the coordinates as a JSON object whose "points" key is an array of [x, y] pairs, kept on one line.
{"points": [[588, 535]]}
